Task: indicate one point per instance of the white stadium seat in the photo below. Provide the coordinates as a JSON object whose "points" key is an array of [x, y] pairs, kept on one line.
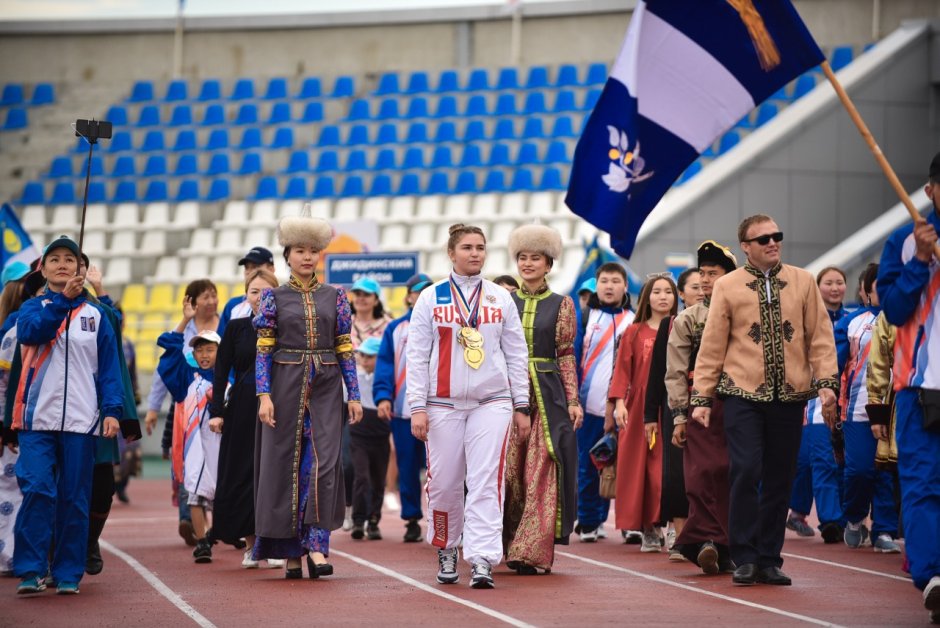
{"points": [[228, 240], [375, 208], [420, 235], [225, 268], [126, 216], [264, 213], [94, 244], [201, 242], [346, 210], [119, 271], [457, 208], [153, 243], [97, 217], [541, 205], [485, 206], [430, 208], [402, 208], [123, 242], [513, 205], [33, 218], [235, 214], [256, 236], [394, 237], [156, 215], [168, 270], [186, 216], [197, 267], [64, 218]]}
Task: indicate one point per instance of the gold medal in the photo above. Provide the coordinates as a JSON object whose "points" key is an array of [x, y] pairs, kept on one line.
{"points": [[473, 357], [472, 341]]}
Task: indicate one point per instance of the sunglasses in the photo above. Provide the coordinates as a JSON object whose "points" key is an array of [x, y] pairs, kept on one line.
{"points": [[764, 240]]}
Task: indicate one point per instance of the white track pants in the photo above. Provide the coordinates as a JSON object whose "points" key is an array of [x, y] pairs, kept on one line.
{"points": [[467, 446]]}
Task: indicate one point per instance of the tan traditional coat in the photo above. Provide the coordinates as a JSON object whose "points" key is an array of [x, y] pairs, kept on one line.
{"points": [[684, 341]]}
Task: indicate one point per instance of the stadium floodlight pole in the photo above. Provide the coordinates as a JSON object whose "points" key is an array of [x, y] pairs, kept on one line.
{"points": [[92, 130], [178, 42], [875, 149], [515, 40]]}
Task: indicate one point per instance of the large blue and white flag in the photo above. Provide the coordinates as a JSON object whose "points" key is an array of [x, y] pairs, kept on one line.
{"points": [[17, 245], [687, 72]]}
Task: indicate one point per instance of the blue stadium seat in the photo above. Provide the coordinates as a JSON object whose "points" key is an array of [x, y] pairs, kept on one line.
{"points": [[474, 131], [218, 190], [388, 85], [141, 92], [506, 105], [149, 116], [564, 101], [280, 113], [63, 193], [388, 109], [690, 172], [442, 157], [310, 88], [528, 154], [125, 192], [479, 80], [329, 136], [182, 115], [153, 141], [466, 183], [177, 90], [476, 106], [804, 84], [283, 138], [504, 130], [538, 77], [448, 81], [355, 160], [841, 57], [97, 192], [251, 164], [43, 94], [728, 141], [410, 185], [218, 140], [188, 190], [324, 188], [446, 132], [185, 140], [156, 192], [385, 160], [155, 166], [590, 99], [211, 90], [495, 181], [781, 94], [359, 110], [534, 103], [596, 74], [33, 194], [12, 94], [499, 155], [567, 76], [381, 186], [418, 83], [120, 142], [413, 159], [765, 114], [186, 165], [551, 180], [251, 138], [219, 164], [387, 134], [296, 188], [124, 166], [446, 107], [247, 114], [522, 181], [417, 133], [277, 89], [244, 89], [438, 184], [97, 166], [471, 157], [213, 115], [313, 112], [557, 153], [117, 115], [328, 161], [358, 135], [61, 167], [417, 108], [533, 129], [508, 79], [344, 87], [267, 189]]}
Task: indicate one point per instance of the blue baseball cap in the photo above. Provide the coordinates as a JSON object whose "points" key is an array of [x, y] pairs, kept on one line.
{"points": [[370, 346], [418, 282], [365, 284], [589, 285], [62, 242], [14, 271]]}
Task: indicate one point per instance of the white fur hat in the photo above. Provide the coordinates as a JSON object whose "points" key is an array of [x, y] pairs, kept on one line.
{"points": [[535, 238], [304, 230]]}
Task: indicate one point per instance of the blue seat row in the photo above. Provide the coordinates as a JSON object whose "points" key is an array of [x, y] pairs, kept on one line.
{"points": [[214, 115], [479, 80], [244, 89], [158, 165], [15, 94], [16, 119], [125, 192], [536, 102], [154, 141]]}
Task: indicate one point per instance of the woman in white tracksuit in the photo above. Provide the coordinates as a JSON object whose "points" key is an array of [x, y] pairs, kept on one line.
{"points": [[467, 384]]}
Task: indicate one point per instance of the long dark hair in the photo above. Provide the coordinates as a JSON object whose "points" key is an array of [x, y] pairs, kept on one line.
{"points": [[10, 299]]}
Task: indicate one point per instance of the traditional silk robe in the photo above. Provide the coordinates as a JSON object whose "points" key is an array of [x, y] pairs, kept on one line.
{"points": [[542, 473]]}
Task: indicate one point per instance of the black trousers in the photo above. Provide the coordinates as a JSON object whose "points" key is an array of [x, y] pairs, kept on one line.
{"points": [[370, 456], [763, 444]]}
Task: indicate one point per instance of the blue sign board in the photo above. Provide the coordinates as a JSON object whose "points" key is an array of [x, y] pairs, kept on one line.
{"points": [[389, 269]]}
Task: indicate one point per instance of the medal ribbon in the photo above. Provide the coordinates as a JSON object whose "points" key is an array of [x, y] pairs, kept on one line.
{"points": [[468, 311]]}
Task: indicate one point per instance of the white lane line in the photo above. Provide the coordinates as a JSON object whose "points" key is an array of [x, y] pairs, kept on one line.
{"points": [[158, 584], [512, 621], [850, 567], [679, 585]]}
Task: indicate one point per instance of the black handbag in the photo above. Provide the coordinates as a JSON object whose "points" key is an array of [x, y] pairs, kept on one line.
{"points": [[930, 403]]}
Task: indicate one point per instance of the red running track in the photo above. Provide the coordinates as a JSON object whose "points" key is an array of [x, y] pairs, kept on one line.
{"points": [[152, 581]]}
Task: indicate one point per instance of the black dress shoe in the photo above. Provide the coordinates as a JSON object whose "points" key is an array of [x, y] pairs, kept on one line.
{"points": [[326, 569], [708, 558], [745, 574], [294, 573], [313, 570], [773, 575]]}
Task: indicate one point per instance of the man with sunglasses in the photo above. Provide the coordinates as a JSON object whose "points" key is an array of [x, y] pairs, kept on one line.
{"points": [[766, 349]]}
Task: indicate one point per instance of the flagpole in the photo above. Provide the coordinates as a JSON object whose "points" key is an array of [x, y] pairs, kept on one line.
{"points": [[875, 149]]}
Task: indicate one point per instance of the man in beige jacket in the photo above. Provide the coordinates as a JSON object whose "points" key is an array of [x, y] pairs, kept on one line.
{"points": [[766, 349]]}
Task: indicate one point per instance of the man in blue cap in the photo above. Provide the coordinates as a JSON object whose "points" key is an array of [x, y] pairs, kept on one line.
{"points": [[388, 391], [237, 307]]}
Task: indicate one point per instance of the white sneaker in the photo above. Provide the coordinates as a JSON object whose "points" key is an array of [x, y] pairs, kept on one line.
{"points": [[481, 576], [447, 566], [632, 537], [932, 595], [276, 563], [347, 521], [589, 537], [884, 544], [601, 532], [650, 543], [670, 538], [247, 562]]}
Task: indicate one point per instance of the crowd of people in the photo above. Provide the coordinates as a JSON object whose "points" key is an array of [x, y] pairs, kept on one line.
{"points": [[714, 413]]}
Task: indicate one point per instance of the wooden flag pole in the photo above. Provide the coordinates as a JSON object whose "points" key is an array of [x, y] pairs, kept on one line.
{"points": [[875, 149]]}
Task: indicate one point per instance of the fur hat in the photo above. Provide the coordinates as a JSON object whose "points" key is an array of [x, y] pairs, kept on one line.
{"points": [[535, 238], [304, 230]]}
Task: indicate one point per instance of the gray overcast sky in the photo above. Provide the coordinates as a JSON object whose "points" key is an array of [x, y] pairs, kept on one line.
{"points": [[59, 9]]}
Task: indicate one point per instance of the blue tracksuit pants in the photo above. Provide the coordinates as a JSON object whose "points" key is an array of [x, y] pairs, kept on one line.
{"points": [[827, 477], [411, 457], [592, 508], [867, 490], [801, 499], [54, 472]]}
